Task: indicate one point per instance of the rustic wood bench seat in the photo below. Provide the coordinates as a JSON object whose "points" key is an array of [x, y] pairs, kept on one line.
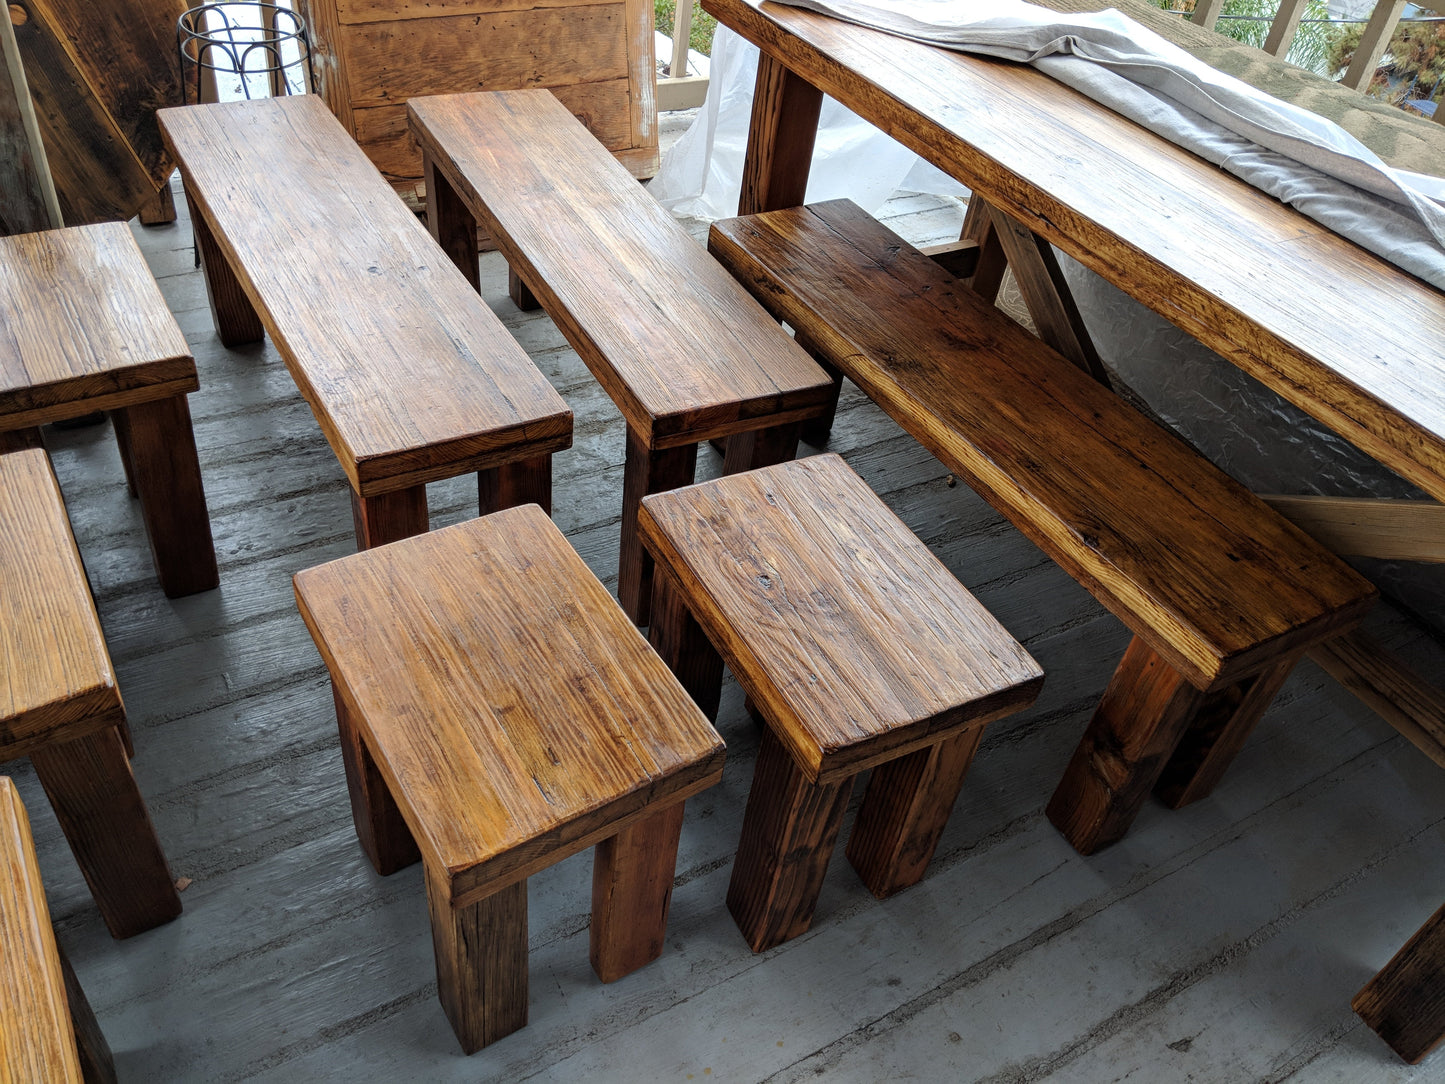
{"points": [[683, 351], [858, 649], [411, 378], [59, 703], [1221, 593], [47, 1029], [498, 712], [86, 329], [1405, 1002]]}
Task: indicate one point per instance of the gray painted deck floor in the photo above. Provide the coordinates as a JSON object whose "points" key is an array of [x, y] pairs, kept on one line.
{"points": [[1219, 943]]}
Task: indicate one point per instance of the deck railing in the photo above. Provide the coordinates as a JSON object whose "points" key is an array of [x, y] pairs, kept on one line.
{"points": [[680, 89]]}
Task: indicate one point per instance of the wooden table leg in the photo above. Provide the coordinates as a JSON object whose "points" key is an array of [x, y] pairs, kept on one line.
{"points": [[380, 828], [1140, 719], [236, 319], [100, 809], [451, 222], [647, 470], [167, 475], [528, 481], [632, 874], [781, 133], [481, 959], [905, 810], [160, 210], [1405, 1003], [681, 643], [789, 829], [987, 278], [389, 517]]}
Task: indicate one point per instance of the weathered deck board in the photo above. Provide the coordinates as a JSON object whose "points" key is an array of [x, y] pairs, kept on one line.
{"points": [[1241, 925]]}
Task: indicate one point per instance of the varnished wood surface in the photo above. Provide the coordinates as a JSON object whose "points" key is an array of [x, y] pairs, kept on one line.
{"points": [[1190, 560], [1405, 1003], [83, 327], [56, 679], [410, 377], [1358, 350], [37, 1040], [681, 349], [855, 642], [550, 723]]}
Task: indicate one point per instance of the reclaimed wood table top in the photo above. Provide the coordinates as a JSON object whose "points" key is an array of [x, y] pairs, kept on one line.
{"points": [[1342, 334], [83, 327]]}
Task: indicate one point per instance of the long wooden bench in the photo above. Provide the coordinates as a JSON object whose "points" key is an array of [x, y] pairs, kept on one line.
{"points": [[47, 1029], [1223, 595], [410, 376], [683, 351]]}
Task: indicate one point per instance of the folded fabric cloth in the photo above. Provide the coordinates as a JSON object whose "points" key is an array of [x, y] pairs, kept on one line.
{"points": [[1296, 156]]}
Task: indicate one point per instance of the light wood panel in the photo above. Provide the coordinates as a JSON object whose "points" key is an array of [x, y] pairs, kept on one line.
{"points": [[1389, 530]]}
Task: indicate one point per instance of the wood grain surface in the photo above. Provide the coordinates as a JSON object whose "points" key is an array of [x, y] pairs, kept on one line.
{"points": [[514, 712], [855, 642], [1405, 1003], [410, 377], [37, 1039], [1358, 350], [680, 348], [1215, 581]]}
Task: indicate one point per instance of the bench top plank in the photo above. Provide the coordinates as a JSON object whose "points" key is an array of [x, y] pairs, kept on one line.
{"points": [[1189, 559], [411, 377], [36, 1037], [549, 722], [54, 667], [684, 352], [856, 641], [83, 327]]}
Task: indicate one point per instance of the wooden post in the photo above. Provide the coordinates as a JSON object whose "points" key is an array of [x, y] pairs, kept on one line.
{"points": [[27, 193]]}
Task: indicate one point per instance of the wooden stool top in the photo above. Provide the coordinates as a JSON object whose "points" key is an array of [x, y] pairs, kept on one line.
{"points": [[36, 1038], [515, 712], [55, 672], [855, 641], [85, 325]]}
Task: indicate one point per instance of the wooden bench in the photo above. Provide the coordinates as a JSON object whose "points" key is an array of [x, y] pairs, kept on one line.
{"points": [[1405, 1003], [86, 329], [60, 706], [497, 708], [683, 351], [1222, 594], [859, 650], [411, 378], [47, 1029]]}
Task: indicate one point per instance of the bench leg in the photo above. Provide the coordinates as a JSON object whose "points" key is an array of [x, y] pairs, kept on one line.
{"points": [[1216, 734], [380, 827], [97, 1066], [528, 481], [632, 874], [99, 807], [450, 221], [987, 279], [681, 643], [1140, 719], [789, 829], [389, 517], [161, 210], [522, 297], [166, 473], [236, 319], [481, 959], [119, 424], [647, 470], [1405, 1003], [905, 810], [817, 430], [761, 448]]}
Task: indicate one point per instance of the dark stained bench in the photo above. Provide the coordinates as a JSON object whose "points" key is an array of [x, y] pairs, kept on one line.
{"points": [[410, 376], [1222, 594], [683, 351]]}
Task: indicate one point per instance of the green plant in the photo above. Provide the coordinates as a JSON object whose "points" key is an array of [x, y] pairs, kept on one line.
{"points": [[1248, 21], [1414, 63], [703, 25]]}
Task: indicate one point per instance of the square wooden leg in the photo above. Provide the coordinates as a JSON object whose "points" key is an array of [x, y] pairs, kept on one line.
{"points": [[632, 875], [450, 221], [481, 958], [521, 296], [680, 641], [389, 517], [761, 448], [528, 481], [647, 470], [166, 472], [789, 829], [100, 809], [904, 811], [380, 827], [235, 316], [97, 1065]]}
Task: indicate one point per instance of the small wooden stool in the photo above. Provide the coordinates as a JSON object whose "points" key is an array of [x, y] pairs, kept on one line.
{"points": [[859, 650], [87, 330], [498, 712], [59, 703]]}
